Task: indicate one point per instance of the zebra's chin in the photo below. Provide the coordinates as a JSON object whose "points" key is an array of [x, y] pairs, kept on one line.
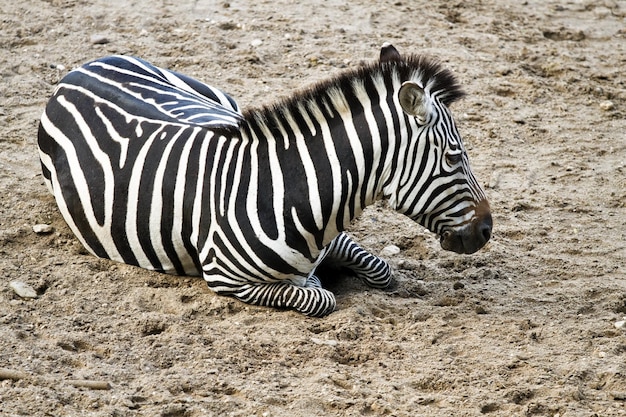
{"points": [[468, 239]]}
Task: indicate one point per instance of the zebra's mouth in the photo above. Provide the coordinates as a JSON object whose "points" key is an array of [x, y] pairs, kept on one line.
{"points": [[450, 240], [468, 239]]}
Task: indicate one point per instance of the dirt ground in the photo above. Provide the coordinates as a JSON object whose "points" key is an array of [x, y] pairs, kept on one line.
{"points": [[532, 325]]}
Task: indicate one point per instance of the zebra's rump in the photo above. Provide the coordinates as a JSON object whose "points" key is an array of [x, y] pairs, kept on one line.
{"points": [[155, 93], [118, 144]]}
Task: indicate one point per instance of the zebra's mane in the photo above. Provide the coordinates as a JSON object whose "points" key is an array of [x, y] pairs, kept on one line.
{"points": [[426, 71]]}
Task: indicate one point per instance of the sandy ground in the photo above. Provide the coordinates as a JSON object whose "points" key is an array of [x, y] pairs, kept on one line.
{"points": [[528, 326]]}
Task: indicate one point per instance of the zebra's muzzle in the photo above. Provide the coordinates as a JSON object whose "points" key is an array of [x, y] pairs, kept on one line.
{"points": [[471, 237]]}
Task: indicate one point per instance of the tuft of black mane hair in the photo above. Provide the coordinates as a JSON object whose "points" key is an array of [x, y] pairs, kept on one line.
{"points": [[426, 71]]}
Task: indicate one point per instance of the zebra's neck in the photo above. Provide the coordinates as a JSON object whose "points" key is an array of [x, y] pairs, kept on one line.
{"points": [[323, 154]]}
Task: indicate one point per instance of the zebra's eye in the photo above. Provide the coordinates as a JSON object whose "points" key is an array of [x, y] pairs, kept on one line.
{"points": [[453, 158]]}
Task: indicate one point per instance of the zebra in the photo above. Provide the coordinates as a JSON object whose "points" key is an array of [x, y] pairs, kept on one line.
{"points": [[152, 168]]}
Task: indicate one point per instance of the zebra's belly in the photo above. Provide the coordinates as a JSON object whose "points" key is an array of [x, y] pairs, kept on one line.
{"points": [[149, 251]]}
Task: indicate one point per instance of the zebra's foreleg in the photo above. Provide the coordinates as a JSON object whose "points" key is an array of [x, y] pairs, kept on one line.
{"points": [[311, 300], [345, 252]]}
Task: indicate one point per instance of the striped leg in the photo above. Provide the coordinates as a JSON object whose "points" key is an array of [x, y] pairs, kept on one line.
{"points": [[311, 300], [345, 252]]}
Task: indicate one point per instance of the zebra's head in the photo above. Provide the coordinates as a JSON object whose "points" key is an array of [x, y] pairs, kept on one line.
{"points": [[433, 183]]}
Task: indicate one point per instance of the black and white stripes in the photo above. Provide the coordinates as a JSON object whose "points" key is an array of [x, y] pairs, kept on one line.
{"points": [[152, 168]]}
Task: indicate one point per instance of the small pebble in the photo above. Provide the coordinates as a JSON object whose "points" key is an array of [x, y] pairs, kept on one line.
{"points": [[480, 310], [607, 105], [621, 324], [99, 39], [494, 181], [42, 229], [458, 285], [22, 289], [390, 250], [256, 42], [324, 342], [619, 396]]}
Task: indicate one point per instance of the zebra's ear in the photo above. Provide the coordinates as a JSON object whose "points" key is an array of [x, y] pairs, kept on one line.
{"points": [[413, 101], [389, 53]]}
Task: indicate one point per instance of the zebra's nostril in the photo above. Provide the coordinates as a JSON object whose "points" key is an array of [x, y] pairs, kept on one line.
{"points": [[485, 227], [486, 232]]}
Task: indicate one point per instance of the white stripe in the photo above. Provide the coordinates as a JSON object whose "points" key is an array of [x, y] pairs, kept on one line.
{"points": [[197, 203], [178, 215], [123, 142], [133, 199], [156, 208]]}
